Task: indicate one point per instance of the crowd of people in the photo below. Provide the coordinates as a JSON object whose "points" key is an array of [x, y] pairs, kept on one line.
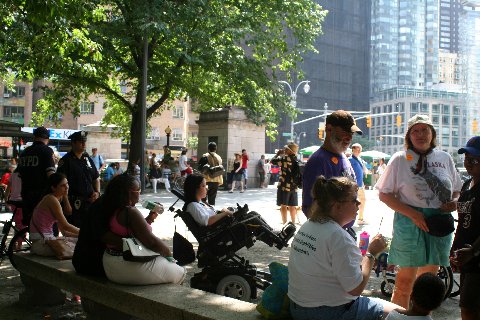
{"points": [[327, 272]]}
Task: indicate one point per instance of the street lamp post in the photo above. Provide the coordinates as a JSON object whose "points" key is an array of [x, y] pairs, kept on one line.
{"points": [[293, 99], [168, 131]]}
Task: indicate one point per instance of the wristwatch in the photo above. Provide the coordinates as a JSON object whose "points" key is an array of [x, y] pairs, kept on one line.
{"points": [[370, 256]]}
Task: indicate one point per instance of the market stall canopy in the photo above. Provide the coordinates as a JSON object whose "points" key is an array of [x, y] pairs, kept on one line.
{"points": [[373, 155], [308, 151]]}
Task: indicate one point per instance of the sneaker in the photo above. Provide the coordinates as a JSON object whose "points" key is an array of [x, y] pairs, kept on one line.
{"points": [[231, 191]]}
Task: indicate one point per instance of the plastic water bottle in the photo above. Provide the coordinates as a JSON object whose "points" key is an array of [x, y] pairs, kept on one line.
{"points": [[364, 241], [152, 206]]}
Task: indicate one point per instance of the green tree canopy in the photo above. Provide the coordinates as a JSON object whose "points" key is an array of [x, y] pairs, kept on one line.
{"points": [[217, 52]]}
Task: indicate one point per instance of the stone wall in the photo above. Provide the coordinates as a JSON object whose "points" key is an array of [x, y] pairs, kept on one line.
{"points": [[232, 131]]}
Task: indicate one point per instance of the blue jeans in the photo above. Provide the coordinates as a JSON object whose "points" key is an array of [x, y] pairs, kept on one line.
{"points": [[363, 308]]}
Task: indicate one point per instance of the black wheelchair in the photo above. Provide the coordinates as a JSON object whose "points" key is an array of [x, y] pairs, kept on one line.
{"points": [[223, 271]]}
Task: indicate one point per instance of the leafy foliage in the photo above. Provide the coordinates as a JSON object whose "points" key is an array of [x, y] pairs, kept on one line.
{"points": [[217, 52]]}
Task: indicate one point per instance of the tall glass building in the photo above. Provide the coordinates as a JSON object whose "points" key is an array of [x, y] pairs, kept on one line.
{"points": [[338, 73], [404, 44], [469, 47]]}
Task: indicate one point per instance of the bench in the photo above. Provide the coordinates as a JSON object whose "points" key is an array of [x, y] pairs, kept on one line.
{"points": [[44, 277]]}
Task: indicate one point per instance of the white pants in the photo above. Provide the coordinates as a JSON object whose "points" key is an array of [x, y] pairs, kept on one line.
{"points": [[158, 270], [161, 180]]}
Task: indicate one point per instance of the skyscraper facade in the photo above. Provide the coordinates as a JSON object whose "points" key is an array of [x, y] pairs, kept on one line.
{"points": [[469, 47], [449, 24], [338, 73], [404, 44]]}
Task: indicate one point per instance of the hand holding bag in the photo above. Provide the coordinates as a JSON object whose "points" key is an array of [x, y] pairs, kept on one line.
{"points": [[440, 225]]}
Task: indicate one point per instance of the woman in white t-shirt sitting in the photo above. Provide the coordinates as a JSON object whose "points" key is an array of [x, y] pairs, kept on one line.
{"points": [[327, 272], [195, 188]]}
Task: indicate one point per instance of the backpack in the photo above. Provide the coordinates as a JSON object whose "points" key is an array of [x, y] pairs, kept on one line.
{"points": [[212, 171], [297, 173]]}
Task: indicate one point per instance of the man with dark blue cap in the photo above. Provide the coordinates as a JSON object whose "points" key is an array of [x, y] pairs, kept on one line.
{"points": [[35, 164], [82, 176], [466, 245]]}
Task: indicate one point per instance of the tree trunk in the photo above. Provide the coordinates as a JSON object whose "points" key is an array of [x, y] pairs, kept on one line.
{"points": [[135, 151]]}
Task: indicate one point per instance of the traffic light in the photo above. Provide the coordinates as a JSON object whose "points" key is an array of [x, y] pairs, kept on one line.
{"points": [[474, 125], [399, 121], [369, 121], [320, 133]]}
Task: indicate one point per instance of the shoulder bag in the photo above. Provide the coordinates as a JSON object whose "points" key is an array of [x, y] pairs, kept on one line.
{"points": [[216, 170], [134, 250]]}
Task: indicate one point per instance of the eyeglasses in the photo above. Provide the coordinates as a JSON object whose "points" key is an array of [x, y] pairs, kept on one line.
{"points": [[471, 161]]}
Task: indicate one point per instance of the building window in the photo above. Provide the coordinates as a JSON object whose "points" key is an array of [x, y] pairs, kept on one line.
{"points": [[455, 142], [414, 107], [177, 135], [435, 119], [445, 142], [446, 120], [178, 112], [456, 110], [446, 109], [424, 108], [154, 134], [16, 92], [435, 108], [13, 112], [455, 121], [87, 107]]}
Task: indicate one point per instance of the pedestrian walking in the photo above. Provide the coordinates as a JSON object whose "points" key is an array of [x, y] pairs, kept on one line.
{"points": [[261, 171], [360, 168], [245, 159], [287, 197], [237, 172], [82, 176], [214, 178], [97, 160], [35, 164]]}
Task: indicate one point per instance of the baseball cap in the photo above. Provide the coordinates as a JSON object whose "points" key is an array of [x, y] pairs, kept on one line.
{"points": [[78, 136], [419, 118], [41, 132], [343, 119], [472, 147]]}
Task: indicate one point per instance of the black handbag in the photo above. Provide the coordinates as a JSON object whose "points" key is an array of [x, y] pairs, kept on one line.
{"points": [[440, 225], [182, 249]]}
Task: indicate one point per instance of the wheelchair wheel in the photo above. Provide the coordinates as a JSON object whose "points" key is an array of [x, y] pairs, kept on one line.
{"points": [[19, 243], [234, 286], [446, 274], [387, 287]]}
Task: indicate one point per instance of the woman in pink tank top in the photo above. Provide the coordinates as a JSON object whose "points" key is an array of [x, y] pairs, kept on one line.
{"points": [[49, 211], [121, 195]]}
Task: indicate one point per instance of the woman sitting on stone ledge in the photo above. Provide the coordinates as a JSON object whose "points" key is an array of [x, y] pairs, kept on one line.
{"points": [[51, 210]]}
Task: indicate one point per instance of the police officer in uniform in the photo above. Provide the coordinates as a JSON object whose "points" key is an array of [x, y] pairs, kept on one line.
{"points": [[35, 164], [82, 176]]}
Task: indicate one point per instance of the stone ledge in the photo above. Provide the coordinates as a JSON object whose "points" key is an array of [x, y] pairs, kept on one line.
{"points": [[165, 301]]}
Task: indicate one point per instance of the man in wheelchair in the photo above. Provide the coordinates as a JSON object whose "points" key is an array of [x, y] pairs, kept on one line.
{"points": [[221, 233]]}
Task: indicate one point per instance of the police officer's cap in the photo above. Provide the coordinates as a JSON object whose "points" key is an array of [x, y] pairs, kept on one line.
{"points": [[78, 136], [41, 132]]}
